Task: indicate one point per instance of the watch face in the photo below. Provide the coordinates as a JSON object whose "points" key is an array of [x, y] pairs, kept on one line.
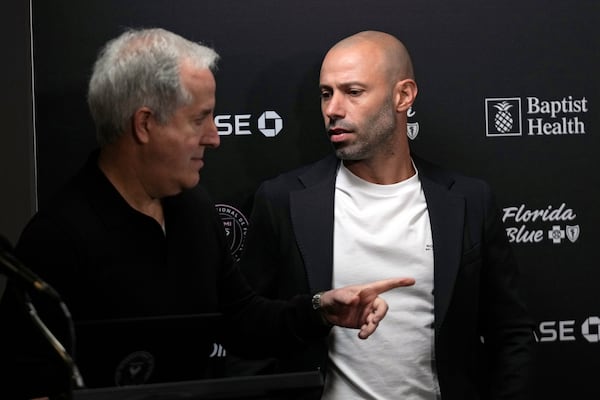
{"points": [[316, 301]]}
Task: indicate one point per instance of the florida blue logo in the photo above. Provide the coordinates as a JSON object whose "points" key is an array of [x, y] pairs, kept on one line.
{"points": [[412, 127]]}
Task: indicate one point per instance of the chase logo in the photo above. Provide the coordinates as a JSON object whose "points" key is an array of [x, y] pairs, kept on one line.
{"points": [[503, 116], [591, 329], [269, 123], [236, 226], [568, 331]]}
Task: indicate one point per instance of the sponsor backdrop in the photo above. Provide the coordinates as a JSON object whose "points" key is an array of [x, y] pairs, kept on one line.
{"points": [[509, 92]]}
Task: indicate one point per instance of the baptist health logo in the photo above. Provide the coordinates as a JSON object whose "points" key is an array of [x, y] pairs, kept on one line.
{"points": [[236, 227], [543, 117], [558, 226]]}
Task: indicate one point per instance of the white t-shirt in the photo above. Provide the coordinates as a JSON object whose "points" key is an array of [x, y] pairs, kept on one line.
{"points": [[383, 231]]}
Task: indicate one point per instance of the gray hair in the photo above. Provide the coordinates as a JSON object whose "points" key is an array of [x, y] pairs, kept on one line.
{"points": [[141, 68]]}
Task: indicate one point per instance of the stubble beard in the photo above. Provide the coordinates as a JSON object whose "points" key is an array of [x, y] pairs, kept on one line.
{"points": [[376, 134]]}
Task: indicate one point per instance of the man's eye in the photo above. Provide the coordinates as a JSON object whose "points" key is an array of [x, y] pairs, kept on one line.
{"points": [[325, 95], [201, 118], [355, 92]]}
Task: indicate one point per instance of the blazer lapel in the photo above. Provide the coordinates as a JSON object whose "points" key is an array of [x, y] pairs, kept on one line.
{"points": [[311, 211], [446, 214]]}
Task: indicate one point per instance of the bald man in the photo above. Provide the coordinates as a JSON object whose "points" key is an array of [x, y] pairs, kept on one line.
{"points": [[373, 210]]}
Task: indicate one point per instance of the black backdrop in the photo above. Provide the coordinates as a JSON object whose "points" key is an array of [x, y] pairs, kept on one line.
{"points": [[541, 58]]}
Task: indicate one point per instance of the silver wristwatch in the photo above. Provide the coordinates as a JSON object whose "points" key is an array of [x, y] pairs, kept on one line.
{"points": [[316, 301]]}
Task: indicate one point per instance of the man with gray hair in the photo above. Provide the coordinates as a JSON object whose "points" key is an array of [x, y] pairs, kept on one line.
{"points": [[134, 235]]}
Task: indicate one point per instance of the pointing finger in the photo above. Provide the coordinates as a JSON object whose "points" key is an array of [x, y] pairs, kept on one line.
{"points": [[389, 284]]}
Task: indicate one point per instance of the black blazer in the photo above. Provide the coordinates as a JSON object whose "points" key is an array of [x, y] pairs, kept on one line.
{"points": [[290, 250]]}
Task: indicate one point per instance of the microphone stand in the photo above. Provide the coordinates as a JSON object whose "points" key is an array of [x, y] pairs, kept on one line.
{"points": [[75, 377], [28, 277]]}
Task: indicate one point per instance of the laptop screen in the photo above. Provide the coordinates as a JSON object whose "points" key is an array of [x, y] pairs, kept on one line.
{"points": [[138, 351]]}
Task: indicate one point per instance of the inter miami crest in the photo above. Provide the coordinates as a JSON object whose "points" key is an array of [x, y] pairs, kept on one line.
{"points": [[236, 226]]}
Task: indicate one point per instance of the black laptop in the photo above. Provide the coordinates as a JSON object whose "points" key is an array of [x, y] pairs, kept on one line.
{"points": [[138, 351]]}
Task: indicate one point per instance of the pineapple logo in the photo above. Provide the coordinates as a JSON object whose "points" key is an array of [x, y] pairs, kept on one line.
{"points": [[503, 117], [503, 120]]}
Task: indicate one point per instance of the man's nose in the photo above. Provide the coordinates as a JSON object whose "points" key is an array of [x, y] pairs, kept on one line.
{"points": [[212, 138], [333, 108]]}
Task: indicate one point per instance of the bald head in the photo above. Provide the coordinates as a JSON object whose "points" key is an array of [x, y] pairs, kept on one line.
{"points": [[367, 88], [379, 48]]}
